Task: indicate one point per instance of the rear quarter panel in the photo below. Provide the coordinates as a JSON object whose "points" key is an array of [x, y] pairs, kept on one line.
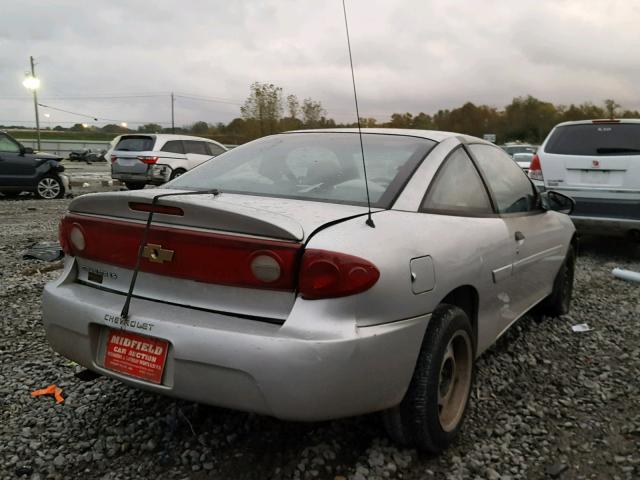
{"points": [[458, 246]]}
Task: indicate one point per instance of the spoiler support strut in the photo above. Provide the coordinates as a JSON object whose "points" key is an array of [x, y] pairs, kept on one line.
{"points": [[125, 308]]}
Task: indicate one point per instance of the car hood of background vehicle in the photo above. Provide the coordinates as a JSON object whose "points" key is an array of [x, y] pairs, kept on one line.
{"points": [[47, 156], [280, 218]]}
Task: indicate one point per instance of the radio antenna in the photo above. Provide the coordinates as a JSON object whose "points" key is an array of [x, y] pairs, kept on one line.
{"points": [[355, 96]]}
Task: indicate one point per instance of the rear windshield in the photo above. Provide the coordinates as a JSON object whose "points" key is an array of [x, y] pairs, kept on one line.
{"points": [[137, 143], [519, 149], [595, 139], [313, 166]]}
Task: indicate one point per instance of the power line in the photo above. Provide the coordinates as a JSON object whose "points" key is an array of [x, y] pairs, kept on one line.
{"points": [[74, 113], [208, 99]]}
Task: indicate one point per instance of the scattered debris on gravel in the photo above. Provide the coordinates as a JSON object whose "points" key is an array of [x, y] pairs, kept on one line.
{"points": [[548, 402]]}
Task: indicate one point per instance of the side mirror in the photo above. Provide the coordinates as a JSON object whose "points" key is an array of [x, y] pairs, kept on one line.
{"points": [[27, 150], [552, 200]]}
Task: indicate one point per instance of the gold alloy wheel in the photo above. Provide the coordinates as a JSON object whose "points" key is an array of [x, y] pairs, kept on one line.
{"points": [[455, 380]]}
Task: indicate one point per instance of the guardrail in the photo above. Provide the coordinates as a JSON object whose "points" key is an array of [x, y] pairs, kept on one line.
{"points": [[64, 147]]}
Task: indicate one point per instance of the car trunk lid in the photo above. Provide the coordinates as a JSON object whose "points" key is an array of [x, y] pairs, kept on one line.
{"points": [[228, 253], [126, 155]]}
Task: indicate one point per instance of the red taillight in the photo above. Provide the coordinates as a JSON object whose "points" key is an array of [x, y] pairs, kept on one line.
{"points": [[113, 158], [201, 256], [326, 274], [63, 235], [148, 160], [535, 170], [146, 207]]}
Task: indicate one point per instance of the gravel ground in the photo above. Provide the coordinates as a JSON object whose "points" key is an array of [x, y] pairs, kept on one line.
{"points": [[547, 403]]}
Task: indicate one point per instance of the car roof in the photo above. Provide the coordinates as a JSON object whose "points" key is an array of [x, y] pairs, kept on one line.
{"points": [[435, 135], [600, 120], [167, 136]]}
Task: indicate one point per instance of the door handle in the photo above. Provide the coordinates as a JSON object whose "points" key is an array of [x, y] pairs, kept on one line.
{"points": [[519, 237]]}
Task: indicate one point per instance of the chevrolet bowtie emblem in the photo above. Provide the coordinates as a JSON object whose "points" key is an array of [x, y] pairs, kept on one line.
{"points": [[157, 254]]}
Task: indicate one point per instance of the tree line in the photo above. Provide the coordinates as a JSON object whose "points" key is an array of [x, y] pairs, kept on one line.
{"points": [[267, 111]]}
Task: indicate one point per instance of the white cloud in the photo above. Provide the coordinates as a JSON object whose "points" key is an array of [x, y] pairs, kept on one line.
{"points": [[409, 55]]}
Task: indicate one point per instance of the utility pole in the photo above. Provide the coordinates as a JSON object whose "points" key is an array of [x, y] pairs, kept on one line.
{"points": [[173, 124], [35, 101]]}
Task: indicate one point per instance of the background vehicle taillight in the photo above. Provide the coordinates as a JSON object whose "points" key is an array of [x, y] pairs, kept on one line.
{"points": [[535, 170], [325, 274], [147, 160]]}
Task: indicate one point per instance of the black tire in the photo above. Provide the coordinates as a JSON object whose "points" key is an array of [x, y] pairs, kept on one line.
{"points": [[134, 185], [177, 172], [49, 187], [559, 302], [419, 420]]}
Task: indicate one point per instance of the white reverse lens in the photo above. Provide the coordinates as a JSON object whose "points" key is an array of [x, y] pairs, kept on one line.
{"points": [[265, 268], [77, 238]]}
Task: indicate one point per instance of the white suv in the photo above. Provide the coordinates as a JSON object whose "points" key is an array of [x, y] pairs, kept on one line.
{"points": [[597, 163], [141, 159]]}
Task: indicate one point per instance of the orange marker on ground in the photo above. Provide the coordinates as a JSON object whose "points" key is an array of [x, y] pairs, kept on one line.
{"points": [[50, 390]]}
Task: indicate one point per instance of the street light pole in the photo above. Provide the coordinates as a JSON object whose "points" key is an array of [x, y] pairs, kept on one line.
{"points": [[35, 101], [173, 125]]}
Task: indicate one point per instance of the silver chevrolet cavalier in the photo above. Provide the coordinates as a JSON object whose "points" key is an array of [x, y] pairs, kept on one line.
{"points": [[261, 281]]}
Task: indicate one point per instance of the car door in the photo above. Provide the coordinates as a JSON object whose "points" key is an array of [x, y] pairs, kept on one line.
{"points": [[16, 169], [537, 235], [468, 220], [196, 152]]}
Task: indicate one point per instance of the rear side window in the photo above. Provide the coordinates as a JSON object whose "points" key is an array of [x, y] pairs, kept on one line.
{"points": [[214, 149], [457, 188], [512, 190], [173, 146], [595, 139], [138, 143], [193, 146]]}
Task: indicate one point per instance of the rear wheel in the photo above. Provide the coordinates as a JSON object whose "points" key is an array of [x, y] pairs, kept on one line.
{"points": [[559, 302], [433, 409], [49, 187], [177, 172], [134, 185]]}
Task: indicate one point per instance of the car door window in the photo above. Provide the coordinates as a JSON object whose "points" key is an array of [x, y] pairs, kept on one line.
{"points": [[457, 188], [8, 146], [173, 146], [512, 190], [214, 149], [193, 146]]}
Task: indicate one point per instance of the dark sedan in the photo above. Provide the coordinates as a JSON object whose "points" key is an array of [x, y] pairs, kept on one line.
{"points": [[23, 170]]}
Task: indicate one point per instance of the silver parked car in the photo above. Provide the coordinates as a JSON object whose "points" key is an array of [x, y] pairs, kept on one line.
{"points": [[264, 286]]}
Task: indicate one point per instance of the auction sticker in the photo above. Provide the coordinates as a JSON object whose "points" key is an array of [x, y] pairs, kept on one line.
{"points": [[135, 355]]}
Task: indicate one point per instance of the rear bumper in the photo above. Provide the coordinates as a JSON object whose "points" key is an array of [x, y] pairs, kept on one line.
{"points": [[606, 216], [604, 225], [334, 369], [155, 174]]}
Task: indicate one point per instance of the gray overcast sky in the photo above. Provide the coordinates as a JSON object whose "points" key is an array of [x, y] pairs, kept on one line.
{"points": [[408, 55]]}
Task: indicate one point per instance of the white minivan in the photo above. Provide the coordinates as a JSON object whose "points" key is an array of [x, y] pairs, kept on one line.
{"points": [[597, 163], [141, 159]]}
